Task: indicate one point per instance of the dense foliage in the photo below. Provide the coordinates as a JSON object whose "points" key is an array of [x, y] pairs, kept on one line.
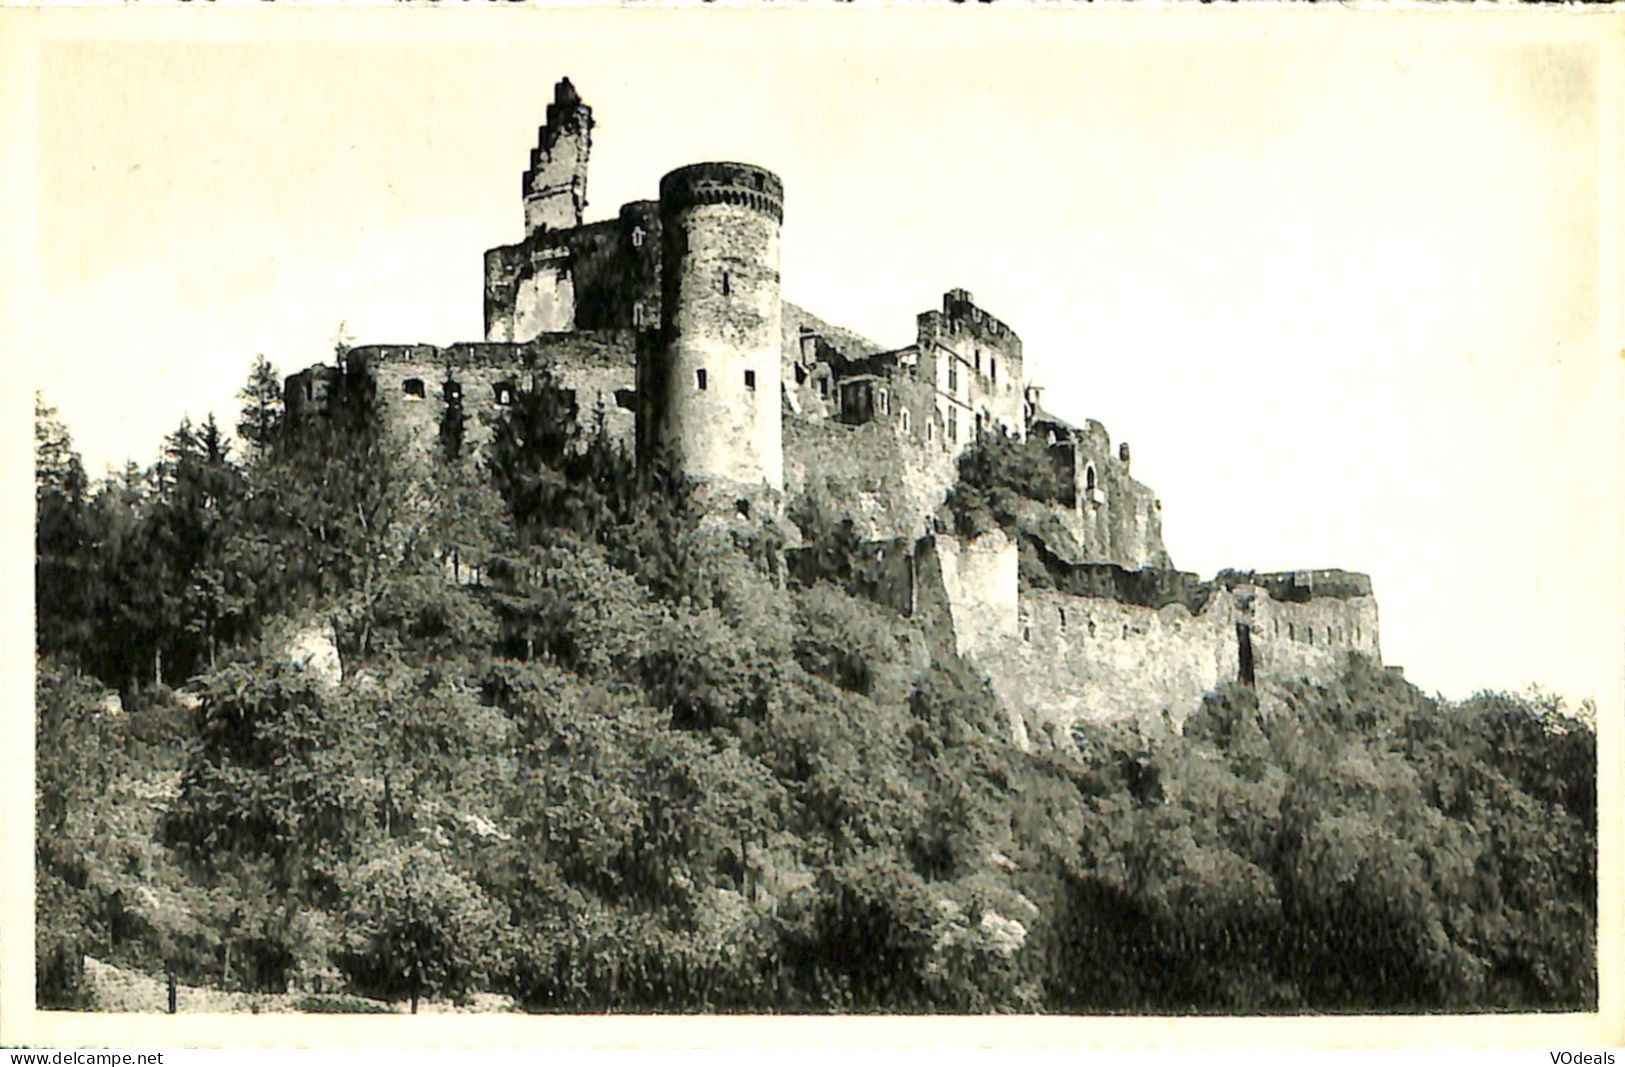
{"points": [[996, 473], [592, 750]]}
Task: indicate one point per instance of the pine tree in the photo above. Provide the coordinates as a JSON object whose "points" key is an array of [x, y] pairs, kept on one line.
{"points": [[259, 425], [65, 567]]}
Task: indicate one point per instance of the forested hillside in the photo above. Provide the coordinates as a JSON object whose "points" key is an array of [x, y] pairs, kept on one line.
{"points": [[592, 750]]}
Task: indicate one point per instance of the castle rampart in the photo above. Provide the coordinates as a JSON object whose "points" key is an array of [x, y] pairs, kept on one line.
{"points": [[416, 383], [1093, 658], [712, 396]]}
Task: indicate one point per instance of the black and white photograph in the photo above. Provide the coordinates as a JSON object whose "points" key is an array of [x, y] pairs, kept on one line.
{"points": [[1030, 514]]}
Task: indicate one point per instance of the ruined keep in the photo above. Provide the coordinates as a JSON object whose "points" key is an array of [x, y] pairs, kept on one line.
{"points": [[666, 325]]}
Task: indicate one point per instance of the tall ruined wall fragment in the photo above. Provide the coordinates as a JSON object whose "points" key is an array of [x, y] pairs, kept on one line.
{"points": [[1111, 517]]}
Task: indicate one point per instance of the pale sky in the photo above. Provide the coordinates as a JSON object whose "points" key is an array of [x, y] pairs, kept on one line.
{"points": [[1336, 278]]}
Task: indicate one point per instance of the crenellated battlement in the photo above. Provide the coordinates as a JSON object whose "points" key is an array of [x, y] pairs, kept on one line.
{"points": [[741, 184], [960, 315]]}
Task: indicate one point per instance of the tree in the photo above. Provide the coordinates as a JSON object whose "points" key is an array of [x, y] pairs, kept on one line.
{"points": [[259, 422], [278, 773], [415, 927], [75, 763], [202, 599], [995, 473], [66, 576]]}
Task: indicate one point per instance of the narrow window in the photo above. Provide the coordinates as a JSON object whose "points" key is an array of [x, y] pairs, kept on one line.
{"points": [[930, 431], [1244, 654], [1089, 477], [502, 393], [953, 424], [953, 378], [993, 370], [978, 361], [823, 388], [750, 380], [637, 237], [905, 420], [726, 287], [637, 314], [885, 403], [414, 387], [1062, 612], [699, 378]]}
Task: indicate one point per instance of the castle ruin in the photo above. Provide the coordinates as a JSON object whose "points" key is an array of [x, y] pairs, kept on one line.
{"points": [[667, 324]]}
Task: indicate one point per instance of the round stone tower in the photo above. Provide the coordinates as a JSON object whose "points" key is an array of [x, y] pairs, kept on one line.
{"points": [[713, 380]]}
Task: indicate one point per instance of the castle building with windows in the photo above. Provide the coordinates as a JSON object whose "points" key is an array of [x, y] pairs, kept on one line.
{"points": [[667, 325]]}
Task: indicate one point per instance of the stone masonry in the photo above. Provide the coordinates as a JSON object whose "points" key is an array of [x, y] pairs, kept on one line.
{"points": [[667, 325]]}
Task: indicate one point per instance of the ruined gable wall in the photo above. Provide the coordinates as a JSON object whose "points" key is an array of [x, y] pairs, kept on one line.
{"points": [[796, 318]]}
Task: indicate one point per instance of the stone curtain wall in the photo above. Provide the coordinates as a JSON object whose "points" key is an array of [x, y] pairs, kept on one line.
{"points": [[889, 485], [1093, 659], [598, 367], [1309, 639], [979, 579]]}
